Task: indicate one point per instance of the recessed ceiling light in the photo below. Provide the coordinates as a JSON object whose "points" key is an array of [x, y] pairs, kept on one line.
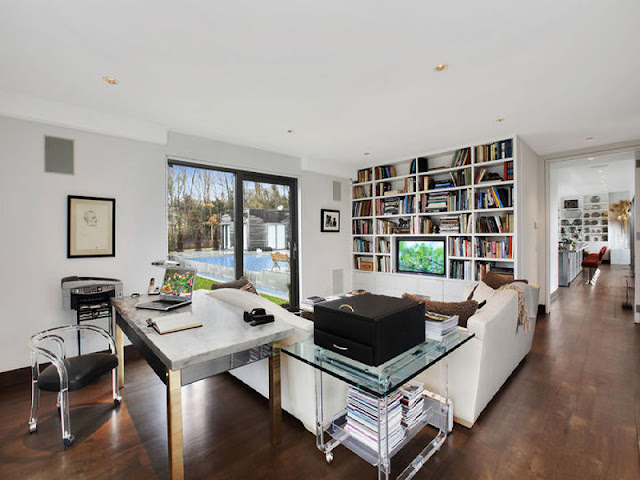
{"points": [[110, 80], [289, 131], [588, 139], [366, 154], [500, 119], [591, 158], [441, 67]]}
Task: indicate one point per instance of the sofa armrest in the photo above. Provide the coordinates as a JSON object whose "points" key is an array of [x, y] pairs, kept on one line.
{"points": [[502, 308]]}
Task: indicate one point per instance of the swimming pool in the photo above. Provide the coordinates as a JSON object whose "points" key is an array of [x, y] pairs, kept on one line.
{"points": [[253, 262]]}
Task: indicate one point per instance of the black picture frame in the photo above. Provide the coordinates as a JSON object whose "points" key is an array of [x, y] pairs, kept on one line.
{"points": [[91, 227], [329, 220]]}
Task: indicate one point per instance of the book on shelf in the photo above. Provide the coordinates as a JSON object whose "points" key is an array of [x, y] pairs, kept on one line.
{"points": [[461, 157], [385, 171], [460, 247], [384, 264], [364, 263], [364, 175], [494, 151], [361, 208], [384, 246], [361, 191], [460, 269], [495, 223], [362, 227], [422, 165], [494, 248], [508, 170], [361, 245], [386, 227]]}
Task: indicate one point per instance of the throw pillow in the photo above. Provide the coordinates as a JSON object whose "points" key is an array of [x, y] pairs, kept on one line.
{"points": [[482, 292], [463, 309], [495, 280], [241, 284]]}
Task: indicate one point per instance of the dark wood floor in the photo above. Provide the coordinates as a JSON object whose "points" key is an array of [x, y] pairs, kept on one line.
{"points": [[570, 410]]}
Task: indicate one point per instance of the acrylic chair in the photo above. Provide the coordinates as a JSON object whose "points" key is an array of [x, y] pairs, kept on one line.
{"points": [[65, 375]]}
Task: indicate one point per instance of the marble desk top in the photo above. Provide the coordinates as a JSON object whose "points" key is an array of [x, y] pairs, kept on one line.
{"points": [[223, 331]]}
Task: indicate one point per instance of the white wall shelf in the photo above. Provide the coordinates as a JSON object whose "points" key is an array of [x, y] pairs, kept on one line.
{"points": [[499, 159]]}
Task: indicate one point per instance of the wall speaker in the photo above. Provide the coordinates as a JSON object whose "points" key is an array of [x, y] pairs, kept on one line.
{"points": [[337, 191], [58, 155]]}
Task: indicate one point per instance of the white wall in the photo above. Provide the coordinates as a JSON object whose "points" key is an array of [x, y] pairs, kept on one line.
{"points": [[33, 218], [530, 214], [554, 205]]}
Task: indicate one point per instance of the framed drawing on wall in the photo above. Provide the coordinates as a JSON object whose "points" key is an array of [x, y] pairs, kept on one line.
{"points": [[91, 227], [329, 220]]}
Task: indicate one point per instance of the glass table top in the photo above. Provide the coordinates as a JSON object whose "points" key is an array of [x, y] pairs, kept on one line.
{"points": [[385, 378]]}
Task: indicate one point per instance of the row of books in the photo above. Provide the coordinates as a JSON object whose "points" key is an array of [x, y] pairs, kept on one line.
{"points": [[362, 227], [362, 191], [364, 175], [495, 223], [385, 171], [460, 269], [508, 170], [364, 263], [395, 206], [461, 157], [445, 201], [384, 246], [361, 245], [385, 227], [384, 264], [450, 224], [428, 226], [495, 198], [482, 268], [460, 247], [361, 208], [494, 151], [364, 423], [502, 248]]}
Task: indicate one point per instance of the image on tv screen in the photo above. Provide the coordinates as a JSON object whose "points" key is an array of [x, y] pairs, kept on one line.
{"points": [[421, 256]]}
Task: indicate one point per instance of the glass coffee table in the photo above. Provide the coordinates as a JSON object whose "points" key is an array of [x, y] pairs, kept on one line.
{"points": [[378, 387]]}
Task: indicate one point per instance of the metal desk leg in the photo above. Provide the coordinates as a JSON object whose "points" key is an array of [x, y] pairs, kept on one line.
{"points": [[174, 424], [120, 351], [275, 410]]}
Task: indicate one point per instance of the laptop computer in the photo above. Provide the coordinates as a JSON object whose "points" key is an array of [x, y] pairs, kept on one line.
{"points": [[176, 290]]}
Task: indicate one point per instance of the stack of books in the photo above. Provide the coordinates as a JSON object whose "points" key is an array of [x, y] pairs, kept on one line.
{"points": [[363, 419], [412, 403], [437, 201], [437, 326], [450, 224]]}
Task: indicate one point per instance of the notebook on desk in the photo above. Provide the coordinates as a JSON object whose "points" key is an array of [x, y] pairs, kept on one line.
{"points": [[176, 290]]}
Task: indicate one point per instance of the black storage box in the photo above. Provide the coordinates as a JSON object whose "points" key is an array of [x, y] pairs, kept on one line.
{"points": [[371, 329]]}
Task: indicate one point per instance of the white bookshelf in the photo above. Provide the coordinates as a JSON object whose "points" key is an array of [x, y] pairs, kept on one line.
{"points": [[415, 192]]}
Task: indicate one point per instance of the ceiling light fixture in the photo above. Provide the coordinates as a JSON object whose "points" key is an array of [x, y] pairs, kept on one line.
{"points": [[110, 80], [588, 139], [289, 131], [366, 154], [500, 119], [441, 67], [591, 158]]}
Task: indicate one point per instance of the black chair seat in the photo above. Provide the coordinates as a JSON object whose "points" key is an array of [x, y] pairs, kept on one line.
{"points": [[82, 370]]}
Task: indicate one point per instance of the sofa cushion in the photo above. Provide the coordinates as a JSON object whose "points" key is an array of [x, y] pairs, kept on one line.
{"points": [[241, 284], [463, 309], [482, 293]]}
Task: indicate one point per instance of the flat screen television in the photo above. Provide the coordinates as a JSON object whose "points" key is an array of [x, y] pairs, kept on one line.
{"points": [[423, 255]]}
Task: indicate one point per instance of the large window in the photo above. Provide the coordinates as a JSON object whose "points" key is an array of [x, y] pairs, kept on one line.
{"points": [[206, 207]]}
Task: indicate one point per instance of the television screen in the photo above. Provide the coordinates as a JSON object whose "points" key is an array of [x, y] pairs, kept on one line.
{"points": [[421, 255]]}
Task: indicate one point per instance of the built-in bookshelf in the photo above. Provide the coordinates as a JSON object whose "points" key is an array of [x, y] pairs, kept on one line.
{"points": [[585, 219], [467, 195]]}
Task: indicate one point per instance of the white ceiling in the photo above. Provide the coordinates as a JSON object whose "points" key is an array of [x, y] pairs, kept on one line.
{"points": [[347, 76], [590, 175]]}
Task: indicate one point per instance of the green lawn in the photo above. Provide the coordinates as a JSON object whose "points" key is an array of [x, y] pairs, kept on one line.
{"points": [[205, 283]]}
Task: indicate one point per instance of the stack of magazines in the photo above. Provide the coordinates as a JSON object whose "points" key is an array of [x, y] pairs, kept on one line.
{"points": [[437, 326], [412, 403], [362, 419]]}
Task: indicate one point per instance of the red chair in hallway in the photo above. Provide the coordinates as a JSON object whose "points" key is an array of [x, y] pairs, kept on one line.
{"points": [[591, 262]]}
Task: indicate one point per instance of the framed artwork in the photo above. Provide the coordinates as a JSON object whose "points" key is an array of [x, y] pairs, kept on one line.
{"points": [[329, 220], [91, 227]]}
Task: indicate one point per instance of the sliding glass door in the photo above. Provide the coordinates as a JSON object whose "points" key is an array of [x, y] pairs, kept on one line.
{"points": [[228, 223]]}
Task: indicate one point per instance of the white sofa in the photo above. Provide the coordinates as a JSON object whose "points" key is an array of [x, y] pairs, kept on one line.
{"points": [[478, 369], [297, 378]]}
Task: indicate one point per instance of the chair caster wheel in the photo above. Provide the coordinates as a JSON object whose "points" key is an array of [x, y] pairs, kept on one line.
{"points": [[68, 441], [33, 428], [117, 401], [329, 457]]}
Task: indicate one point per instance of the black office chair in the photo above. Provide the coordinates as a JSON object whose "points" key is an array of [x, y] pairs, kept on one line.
{"points": [[65, 375]]}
